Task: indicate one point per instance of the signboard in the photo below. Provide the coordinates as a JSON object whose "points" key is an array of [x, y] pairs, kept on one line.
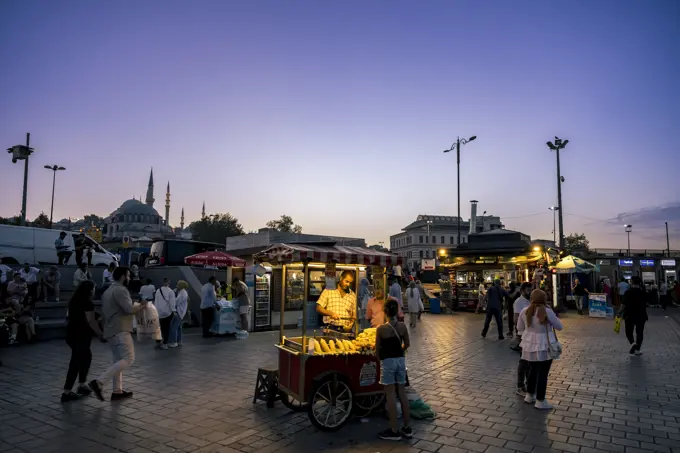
{"points": [[647, 263], [368, 374], [648, 277], [126, 241], [428, 265], [668, 263], [604, 262], [597, 305], [331, 281], [625, 262]]}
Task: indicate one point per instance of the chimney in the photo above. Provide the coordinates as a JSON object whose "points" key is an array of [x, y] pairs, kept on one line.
{"points": [[473, 217]]}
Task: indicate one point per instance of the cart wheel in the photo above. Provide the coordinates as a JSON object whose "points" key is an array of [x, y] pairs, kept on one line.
{"points": [[364, 405], [291, 403], [330, 403]]}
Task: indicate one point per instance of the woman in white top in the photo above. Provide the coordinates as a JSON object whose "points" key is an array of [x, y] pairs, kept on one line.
{"points": [[182, 302], [537, 322], [166, 306], [414, 303]]}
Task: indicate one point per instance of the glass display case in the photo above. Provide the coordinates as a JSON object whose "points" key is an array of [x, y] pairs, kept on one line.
{"points": [[295, 288]]}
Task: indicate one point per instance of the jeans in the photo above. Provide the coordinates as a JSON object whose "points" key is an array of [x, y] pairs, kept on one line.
{"points": [[496, 313], [81, 358], [511, 318], [165, 327], [537, 383], [207, 316], [393, 371], [123, 350], [579, 303], [639, 327], [522, 373], [176, 330]]}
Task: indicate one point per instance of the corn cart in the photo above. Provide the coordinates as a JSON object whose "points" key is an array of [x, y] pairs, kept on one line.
{"points": [[327, 373]]}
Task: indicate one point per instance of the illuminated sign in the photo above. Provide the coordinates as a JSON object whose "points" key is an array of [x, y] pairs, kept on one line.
{"points": [[647, 263], [625, 262], [668, 262]]}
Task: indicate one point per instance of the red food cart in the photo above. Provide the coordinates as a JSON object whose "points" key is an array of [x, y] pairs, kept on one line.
{"points": [[329, 386]]}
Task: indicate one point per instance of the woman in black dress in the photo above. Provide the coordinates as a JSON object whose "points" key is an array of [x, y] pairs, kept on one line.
{"points": [[81, 326]]}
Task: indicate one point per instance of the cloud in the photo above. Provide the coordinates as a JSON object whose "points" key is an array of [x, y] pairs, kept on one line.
{"points": [[653, 217]]}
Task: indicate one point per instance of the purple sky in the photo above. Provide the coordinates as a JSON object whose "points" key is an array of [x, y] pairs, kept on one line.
{"points": [[336, 113]]}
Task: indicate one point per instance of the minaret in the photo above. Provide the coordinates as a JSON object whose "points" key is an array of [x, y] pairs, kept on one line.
{"points": [[167, 206], [203, 211], [149, 191], [181, 220]]}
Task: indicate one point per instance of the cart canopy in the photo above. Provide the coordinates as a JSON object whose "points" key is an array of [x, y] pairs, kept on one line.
{"points": [[217, 259], [574, 265], [290, 253]]}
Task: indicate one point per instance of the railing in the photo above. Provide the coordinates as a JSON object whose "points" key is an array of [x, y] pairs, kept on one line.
{"points": [[633, 252]]}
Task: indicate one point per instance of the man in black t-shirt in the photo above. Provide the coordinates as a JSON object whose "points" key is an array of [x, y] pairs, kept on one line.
{"points": [[580, 293]]}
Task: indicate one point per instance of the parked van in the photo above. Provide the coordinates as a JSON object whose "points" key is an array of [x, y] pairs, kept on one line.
{"points": [[171, 252], [20, 245]]}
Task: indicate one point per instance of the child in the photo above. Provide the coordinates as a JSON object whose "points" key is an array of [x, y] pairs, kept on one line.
{"points": [[390, 344]]}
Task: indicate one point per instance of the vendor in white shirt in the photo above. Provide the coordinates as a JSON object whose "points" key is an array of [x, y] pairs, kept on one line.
{"points": [[30, 276], [166, 306]]}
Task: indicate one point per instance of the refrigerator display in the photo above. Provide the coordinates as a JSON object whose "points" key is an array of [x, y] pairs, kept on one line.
{"points": [[262, 301]]}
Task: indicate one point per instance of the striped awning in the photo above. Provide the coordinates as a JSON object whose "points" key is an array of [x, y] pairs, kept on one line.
{"points": [[291, 253]]}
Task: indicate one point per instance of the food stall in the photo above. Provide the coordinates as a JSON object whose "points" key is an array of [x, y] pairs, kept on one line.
{"points": [[327, 373], [227, 319]]}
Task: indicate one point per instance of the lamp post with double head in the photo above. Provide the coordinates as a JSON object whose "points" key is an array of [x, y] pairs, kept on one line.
{"points": [[557, 146], [628, 228], [55, 169], [456, 146]]}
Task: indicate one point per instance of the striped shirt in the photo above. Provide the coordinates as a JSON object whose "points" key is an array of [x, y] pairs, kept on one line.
{"points": [[342, 304]]}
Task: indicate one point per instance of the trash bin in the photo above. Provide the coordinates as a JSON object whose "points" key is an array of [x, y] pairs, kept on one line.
{"points": [[435, 306]]}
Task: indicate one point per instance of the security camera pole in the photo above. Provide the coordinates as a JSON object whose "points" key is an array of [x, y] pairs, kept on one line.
{"points": [[557, 146], [21, 152], [456, 146]]}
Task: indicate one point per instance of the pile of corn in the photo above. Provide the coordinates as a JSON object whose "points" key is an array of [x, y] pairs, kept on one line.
{"points": [[364, 344]]}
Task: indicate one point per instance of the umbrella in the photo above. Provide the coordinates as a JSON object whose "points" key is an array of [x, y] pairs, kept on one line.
{"points": [[572, 264], [217, 259]]}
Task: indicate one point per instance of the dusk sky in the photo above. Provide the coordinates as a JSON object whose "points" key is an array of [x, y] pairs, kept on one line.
{"points": [[336, 113]]}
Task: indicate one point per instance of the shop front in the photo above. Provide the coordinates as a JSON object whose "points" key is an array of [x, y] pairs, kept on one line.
{"points": [[669, 272]]}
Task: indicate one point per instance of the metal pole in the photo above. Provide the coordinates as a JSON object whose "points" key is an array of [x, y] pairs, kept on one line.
{"points": [[54, 177], [628, 243], [554, 227], [668, 242], [458, 178], [559, 199], [23, 200]]}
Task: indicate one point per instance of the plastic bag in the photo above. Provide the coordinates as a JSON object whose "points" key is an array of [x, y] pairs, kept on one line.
{"points": [[421, 411], [148, 324], [617, 324]]}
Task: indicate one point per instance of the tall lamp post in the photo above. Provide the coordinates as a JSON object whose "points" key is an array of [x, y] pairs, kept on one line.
{"points": [[557, 146], [55, 169], [554, 209], [456, 146], [629, 228], [668, 241], [22, 152]]}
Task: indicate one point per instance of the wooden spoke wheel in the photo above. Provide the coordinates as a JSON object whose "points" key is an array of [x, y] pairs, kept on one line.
{"points": [[330, 403]]}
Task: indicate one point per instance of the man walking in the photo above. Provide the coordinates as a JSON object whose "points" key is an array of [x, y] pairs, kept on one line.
{"points": [[208, 301], [118, 311], [513, 294], [634, 313], [494, 301]]}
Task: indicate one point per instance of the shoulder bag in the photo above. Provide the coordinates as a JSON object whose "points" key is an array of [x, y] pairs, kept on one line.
{"points": [[554, 348]]}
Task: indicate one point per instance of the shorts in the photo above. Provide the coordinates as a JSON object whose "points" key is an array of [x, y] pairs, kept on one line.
{"points": [[393, 371], [243, 310]]}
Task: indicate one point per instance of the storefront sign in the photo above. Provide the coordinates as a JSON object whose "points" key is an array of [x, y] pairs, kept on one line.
{"points": [[648, 277], [368, 374], [625, 262], [428, 265], [668, 263], [597, 305], [647, 263], [604, 262]]}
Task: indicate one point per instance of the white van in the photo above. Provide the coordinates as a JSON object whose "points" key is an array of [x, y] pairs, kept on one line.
{"points": [[19, 245]]}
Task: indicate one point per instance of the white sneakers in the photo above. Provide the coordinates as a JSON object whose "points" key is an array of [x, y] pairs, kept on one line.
{"points": [[173, 345], [543, 405]]}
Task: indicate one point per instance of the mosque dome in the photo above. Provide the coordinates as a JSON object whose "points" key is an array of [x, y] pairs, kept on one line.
{"points": [[133, 206]]}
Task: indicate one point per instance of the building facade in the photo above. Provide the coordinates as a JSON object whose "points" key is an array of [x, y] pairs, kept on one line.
{"points": [[428, 234]]}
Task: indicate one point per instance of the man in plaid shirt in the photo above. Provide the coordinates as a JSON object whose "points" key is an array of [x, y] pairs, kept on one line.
{"points": [[339, 306]]}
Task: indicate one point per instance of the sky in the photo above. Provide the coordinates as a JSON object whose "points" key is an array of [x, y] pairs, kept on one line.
{"points": [[337, 113]]}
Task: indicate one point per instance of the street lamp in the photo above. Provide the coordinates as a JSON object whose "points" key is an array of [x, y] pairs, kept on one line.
{"points": [[628, 228], [429, 222], [557, 146], [554, 209], [459, 141], [22, 152], [55, 169]]}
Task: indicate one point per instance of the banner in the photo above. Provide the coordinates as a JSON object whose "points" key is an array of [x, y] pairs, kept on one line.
{"points": [[597, 305], [428, 265]]}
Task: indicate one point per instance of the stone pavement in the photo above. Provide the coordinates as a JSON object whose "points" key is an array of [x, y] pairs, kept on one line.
{"points": [[198, 398]]}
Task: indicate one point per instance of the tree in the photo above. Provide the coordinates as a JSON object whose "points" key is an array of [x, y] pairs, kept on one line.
{"points": [[93, 219], [378, 247], [576, 242], [15, 220], [285, 225], [216, 228], [42, 221]]}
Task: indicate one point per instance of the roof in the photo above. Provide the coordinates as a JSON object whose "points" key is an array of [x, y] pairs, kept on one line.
{"points": [[133, 206], [290, 253]]}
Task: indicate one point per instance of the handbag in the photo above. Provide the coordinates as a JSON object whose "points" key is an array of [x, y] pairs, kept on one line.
{"points": [[617, 324], [554, 349]]}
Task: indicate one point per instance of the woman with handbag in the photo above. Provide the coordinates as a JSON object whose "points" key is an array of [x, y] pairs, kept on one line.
{"points": [[539, 346]]}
